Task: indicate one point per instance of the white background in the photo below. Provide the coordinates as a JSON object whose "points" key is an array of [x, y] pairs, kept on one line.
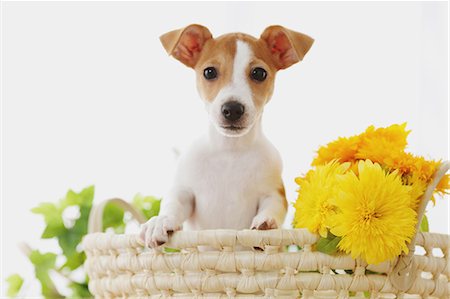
{"points": [[90, 97]]}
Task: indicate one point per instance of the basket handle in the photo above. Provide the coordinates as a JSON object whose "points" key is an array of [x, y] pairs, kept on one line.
{"points": [[403, 273], [95, 224]]}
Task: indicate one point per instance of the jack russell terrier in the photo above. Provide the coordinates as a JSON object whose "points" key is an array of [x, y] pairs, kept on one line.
{"points": [[230, 178]]}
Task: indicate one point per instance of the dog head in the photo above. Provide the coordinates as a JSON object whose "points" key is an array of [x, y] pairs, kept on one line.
{"points": [[236, 72]]}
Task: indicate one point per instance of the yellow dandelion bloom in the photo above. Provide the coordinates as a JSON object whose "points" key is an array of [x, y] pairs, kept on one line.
{"points": [[354, 167], [313, 208], [396, 135], [373, 217], [408, 164], [443, 186], [382, 144], [425, 168], [417, 189], [376, 144], [343, 150]]}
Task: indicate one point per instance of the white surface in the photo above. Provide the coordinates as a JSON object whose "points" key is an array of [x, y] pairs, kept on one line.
{"points": [[90, 96]]}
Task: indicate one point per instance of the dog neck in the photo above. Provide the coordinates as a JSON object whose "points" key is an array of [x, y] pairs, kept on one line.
{"points": [[222, 142]]}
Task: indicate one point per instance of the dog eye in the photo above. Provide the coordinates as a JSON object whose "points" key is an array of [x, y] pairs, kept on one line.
{"points": [[258, 74], [210, 73]]}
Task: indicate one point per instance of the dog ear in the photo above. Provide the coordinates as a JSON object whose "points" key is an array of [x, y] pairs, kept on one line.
{"points": [[286, 46], [186, 44]]}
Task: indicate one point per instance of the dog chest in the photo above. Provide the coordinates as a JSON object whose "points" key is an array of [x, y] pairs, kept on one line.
{"points": [[228, 186]]}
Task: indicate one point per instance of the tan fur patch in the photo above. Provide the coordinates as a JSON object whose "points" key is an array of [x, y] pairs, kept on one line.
{"points": [[262, 91], [282, 192], [218, 53]]}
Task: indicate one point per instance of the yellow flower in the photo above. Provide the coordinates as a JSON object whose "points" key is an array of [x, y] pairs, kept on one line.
{"points": [[344, 150], [377, 145], [408, 164], [312, 208], [418, 187], [373, 217], [382, 144], [443, 186]]}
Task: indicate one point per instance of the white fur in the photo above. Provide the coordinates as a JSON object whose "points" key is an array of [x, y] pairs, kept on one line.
{"points": [[224, 180]]}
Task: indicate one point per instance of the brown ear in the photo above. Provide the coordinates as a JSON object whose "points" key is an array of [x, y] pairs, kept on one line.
{"points": [[186, 44], [287, 46]]}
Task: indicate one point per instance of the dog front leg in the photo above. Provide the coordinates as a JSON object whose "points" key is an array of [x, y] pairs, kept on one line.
{"points": [[271, 212], [175, 209]]}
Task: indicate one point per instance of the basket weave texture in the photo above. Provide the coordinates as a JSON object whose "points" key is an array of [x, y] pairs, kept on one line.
{"points": [[252, 264]]}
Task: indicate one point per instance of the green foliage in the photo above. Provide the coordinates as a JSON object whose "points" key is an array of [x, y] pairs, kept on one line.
{"points": [[424, 224], [171, 250], [149, 205], [69, 231], [113, 218], [329, 244], [15, 282], [79, 290], [43, 263]]}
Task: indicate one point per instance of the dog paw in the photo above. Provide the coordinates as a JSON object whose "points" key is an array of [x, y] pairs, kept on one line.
{"points": [[264, 223], [156, 231]]}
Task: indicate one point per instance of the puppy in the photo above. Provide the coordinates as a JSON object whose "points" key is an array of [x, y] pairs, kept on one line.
{"points": [[230, 178]]}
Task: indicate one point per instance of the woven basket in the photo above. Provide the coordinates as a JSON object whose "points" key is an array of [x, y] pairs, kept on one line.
{"points": [[120, 267]]}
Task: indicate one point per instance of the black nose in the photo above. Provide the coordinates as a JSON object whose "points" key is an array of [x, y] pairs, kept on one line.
{"points": [[232, 110]]}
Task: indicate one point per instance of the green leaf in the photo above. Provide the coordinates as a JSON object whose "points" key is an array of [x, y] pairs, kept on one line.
{"points": [[71, 238], [43, 263], [329, 244], [76, 260], [170, 250], [367, 294], [148, 205], [113, 217], [69, 242], [53, 219], [80, 290], [53, 230], [424, 224], [83, 198], [15, 283], [47, 209], [53, 212]]}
